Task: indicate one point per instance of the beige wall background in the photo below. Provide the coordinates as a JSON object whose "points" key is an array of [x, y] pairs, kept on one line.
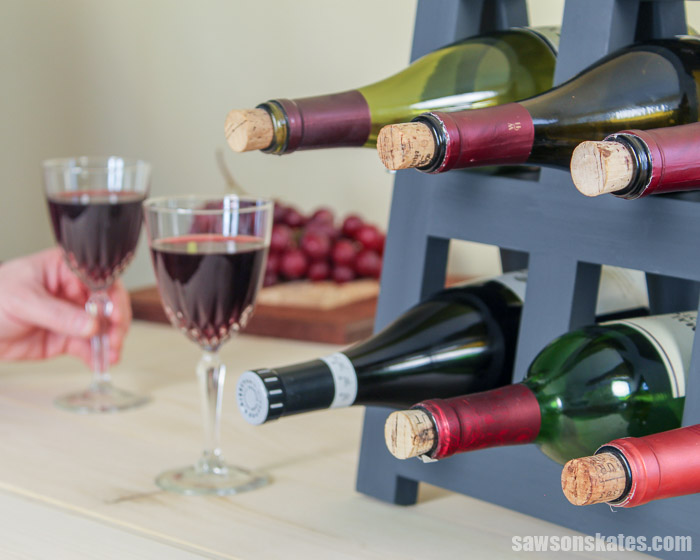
{"points": [[155, 79]]}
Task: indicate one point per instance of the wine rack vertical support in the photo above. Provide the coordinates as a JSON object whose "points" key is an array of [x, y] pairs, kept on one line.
{"points": [[567, 237], [414, 260], [552, 310]]}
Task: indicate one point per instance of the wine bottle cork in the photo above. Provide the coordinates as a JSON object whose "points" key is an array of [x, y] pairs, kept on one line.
{"points": [[601, 167], [405, 145], [593, 480], [409, 433], [249, 129]]}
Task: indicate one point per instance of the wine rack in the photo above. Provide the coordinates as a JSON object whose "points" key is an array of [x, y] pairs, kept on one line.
{"points": [[565, 238]]}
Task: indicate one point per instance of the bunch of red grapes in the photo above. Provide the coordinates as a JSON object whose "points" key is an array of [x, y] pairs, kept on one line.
{"points": [[313, 247]]}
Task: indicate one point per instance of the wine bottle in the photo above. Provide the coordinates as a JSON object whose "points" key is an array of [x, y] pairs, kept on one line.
{"points": [[635, 163], [481, 71], [629, 472], [592, 385], [460, 340], [643, 86]]}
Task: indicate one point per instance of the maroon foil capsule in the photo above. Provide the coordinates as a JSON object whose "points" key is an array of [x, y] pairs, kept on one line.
{"points": [[673, 151], [500, 135], [506, 416], [326, 121]]}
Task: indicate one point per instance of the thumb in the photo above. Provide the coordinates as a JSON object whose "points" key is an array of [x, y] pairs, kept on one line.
{"points": [[57, 315]]}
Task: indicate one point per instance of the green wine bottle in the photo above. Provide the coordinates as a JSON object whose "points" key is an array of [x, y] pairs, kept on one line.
{"points": [[482, 71], [643, 86], [590, 386]]}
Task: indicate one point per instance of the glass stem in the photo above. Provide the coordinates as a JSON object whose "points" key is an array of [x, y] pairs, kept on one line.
{"points": [[211, 373], [100, 306]]}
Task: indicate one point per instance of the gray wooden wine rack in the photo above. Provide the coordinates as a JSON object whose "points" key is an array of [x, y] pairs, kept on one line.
{"points": [[565, 237]]}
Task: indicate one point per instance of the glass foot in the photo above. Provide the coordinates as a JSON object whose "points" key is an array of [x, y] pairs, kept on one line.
{"points": [[100, 399], [222, 481]]}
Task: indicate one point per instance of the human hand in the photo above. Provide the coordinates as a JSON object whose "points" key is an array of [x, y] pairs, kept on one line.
{"points": [[42, 311]]}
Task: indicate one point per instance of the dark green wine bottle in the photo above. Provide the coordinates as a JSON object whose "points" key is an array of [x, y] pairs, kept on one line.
{"points": [[460, 340], [590, 386], [482, 71], [643, 86]]}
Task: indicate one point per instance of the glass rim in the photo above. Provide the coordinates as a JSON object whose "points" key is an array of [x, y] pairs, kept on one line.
{"points": [[153, 204], [93, 162]]}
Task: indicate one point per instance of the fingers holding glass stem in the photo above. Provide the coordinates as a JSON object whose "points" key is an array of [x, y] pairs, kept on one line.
{"points": [[101, 395]]}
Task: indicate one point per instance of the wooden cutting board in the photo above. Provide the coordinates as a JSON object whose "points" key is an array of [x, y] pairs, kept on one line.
{"points": [[318, 311]]}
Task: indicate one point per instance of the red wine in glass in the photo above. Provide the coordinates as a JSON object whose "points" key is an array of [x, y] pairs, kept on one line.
{"points": [[209, 254], [209, 282], [96, 208], [98, 231]]}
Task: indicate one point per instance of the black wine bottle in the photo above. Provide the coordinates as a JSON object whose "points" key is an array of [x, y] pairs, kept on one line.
{"points": [[482, 71], [460, 340], [646, 85]]}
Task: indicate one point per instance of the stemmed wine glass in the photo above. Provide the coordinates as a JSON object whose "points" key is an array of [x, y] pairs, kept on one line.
{"points": [[96, 210], [209, 256]]}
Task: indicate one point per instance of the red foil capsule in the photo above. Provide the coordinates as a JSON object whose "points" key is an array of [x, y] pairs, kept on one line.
{"points": [[506, 416], [661, 465]]}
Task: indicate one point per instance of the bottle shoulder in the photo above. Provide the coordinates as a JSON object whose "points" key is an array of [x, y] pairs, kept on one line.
{"points": [[545, 35], [488, 288], [597, 384], [549, 34], [473, 73], [649, 60], [597, 354]]}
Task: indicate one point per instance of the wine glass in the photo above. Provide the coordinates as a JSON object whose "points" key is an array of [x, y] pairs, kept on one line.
{"points": [[96, 210], [209, 255]]}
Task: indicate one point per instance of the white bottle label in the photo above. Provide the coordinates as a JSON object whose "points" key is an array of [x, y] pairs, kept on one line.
{"points": [[620, 288], [344, 377], [672, 336]]}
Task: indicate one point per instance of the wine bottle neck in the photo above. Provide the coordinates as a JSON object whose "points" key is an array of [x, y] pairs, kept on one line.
{"points": [[267, 394], [324, 121], [506, 416], [642, 163], [667, 158], [495, 136], [659, 466]]}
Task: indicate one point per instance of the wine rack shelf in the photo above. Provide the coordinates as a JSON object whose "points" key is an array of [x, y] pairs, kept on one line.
{"points": [[565, 238]]}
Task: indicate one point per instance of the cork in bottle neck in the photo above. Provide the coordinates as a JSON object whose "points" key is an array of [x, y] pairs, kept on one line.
{"points": [[406, 145], [249, 129], [602, 167], [596, 479], [409, 433]]}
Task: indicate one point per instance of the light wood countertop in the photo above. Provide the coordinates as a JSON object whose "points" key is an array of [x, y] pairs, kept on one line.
{"points": [[74, 486]]}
